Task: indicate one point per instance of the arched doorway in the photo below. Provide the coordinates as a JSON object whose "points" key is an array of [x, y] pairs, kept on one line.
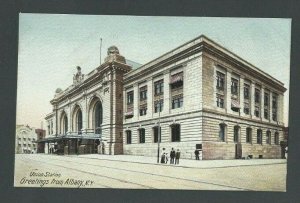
{"points": [[63, 123], [79, 121], [98, 117]]}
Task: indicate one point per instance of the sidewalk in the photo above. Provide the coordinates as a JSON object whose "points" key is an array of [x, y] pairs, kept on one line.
{"points": [[184, 162]]}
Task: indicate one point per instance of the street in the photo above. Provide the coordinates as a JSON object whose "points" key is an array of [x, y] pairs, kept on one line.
{"points": [[104, 171]]}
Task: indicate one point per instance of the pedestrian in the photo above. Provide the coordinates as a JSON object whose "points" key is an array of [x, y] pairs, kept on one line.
{"points": [[163, 157], [172, 156], [166, 158], [197, 154], [177, 156]]}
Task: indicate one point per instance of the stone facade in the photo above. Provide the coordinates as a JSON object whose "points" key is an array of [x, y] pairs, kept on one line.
{"points": [[90, 110], [200, 117], [201, 95]]}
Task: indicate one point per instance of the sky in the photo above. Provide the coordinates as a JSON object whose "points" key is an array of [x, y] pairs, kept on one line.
{"points": [[52, 45]]}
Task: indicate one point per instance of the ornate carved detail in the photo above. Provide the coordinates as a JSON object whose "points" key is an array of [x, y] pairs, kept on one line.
{"points": [[106, 90], [78, 77]]}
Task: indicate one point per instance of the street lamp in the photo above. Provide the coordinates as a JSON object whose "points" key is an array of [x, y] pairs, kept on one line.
{"points": [[158, 131]]}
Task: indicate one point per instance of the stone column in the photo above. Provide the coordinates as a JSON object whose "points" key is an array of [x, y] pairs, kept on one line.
{"points": [[228, 91], [136, 102], [252, 99], [83, 111], [241, 95], [262, 101], [150, 98], [166, 109]]}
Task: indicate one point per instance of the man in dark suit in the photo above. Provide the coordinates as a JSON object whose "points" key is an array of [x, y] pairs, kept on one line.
{"points": [[177, 157], [197, 154], [172, 156]]}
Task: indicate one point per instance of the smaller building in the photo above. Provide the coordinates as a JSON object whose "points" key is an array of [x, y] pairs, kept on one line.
{"points": [[26, 138], [40, 135]]}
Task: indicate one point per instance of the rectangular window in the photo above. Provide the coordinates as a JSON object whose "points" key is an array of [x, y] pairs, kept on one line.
{"points": [[257, 111], [143, 93], [249, 135], [176, 81], [234, 86], [156, 134], [236, 134], [222, 133], [130, 97], [220, 80], [274, 108], [266, 99], [266, 113], [220, 101], [143, 111], [128, 137], [268, 138], [246, 91], [177, 102], [142, 135], [175, 133], [257, 95], [276, 138], [246, 108], [159, 87], [259, 136], [158, 106]]}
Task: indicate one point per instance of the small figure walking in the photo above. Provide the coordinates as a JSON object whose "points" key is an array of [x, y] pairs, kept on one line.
{"points": [[197, 154], [177, 156], [172, 156], [166, 158], [163, 157]]}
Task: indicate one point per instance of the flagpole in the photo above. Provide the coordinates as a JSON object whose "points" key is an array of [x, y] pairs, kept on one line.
{"points": [[100, 49]]}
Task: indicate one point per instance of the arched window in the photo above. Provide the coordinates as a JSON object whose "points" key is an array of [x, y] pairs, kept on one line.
{"points": [[236, 133], [248, 135], [268, 138], [128, 136], [79, 121], [65, 124], [98, 117], [156, 133], [259, 136], [276, 138], [222, 131]]}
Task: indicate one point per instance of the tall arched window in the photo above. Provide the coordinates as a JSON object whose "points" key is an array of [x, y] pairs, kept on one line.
{"points": [[236, 133], [65, 124], [248, 135], [98, 117], [79, 121], [222, 132]]}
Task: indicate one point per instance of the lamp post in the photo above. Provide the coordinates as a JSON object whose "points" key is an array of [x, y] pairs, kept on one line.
{"points": [[158, 131]]}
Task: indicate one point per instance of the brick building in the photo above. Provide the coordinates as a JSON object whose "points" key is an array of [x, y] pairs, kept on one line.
{"points": [[200, 95]]}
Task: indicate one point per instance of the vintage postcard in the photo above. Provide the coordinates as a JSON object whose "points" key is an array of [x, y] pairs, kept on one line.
{"points": [[138, 102]]}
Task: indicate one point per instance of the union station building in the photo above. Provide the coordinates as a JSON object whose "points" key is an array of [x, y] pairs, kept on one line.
{"points": [[197, 96]]}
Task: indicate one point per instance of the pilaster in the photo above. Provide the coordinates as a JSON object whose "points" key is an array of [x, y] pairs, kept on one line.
{"points": [[252, 99], [166, 109], [262, 101], [241, 95], [228, 91]]}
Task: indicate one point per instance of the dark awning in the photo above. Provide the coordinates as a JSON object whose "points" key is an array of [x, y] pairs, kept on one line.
{"points": [[176, 78], [73, 136]]}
